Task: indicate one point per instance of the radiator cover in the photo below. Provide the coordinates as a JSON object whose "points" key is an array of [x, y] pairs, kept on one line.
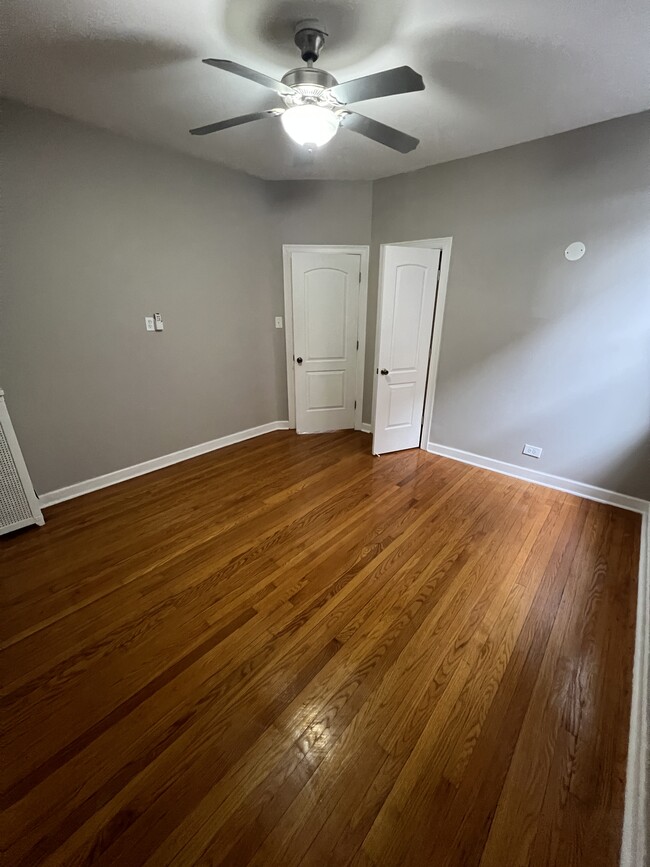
{"points": [[18, 503]]}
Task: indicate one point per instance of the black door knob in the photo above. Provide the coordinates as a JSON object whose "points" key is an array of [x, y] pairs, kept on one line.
{"points": [[299, 360], [384, 372]]}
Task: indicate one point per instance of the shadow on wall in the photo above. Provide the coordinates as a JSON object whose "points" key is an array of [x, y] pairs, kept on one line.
{"points": [[90, 55], [266, 27], [625, 466], [287, 194], [567, 364], [494, 69], [555, 302], [486, 71]]}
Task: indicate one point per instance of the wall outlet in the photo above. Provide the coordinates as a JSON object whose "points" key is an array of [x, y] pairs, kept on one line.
{"points": [[532, 451], [278, 322], [149, 323], [158, 322]]}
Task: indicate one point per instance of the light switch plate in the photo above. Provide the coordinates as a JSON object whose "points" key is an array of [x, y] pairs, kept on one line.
{"points": [[149, 323], [158, 321], [278, 322]]}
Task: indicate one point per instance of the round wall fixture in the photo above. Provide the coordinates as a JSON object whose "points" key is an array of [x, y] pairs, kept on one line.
{"points": [[575, 251]]}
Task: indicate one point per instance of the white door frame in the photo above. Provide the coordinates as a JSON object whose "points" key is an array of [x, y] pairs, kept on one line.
{"points": [[363, 252], [444, 245]]}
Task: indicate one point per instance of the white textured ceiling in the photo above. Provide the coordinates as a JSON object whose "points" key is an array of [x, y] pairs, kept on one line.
{"points": [[497, 72]]}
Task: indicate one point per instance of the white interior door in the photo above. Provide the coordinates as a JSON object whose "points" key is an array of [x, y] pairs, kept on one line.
{"points": [[325, 288], [407, 297]]}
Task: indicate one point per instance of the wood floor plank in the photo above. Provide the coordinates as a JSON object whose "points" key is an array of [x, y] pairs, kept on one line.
{"points": [[359, 710], [502, 727], [95, 702], [289, 652], [196, 694], [527, 779], [304, 642], [438, 743], [237, 786]]}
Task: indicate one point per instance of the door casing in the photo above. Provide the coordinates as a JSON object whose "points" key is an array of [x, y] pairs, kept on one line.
{"points": [[363, 253], [444, 245]]}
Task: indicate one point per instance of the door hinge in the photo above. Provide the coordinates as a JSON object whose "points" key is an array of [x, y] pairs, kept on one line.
{"points": [[359, 277], [355, 404], [357, 345]]}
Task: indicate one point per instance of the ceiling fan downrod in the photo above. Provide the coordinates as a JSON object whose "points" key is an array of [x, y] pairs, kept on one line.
{"points": [[309, 36]]}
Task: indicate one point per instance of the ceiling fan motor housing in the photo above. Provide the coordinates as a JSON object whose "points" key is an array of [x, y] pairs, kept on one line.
{"points": [[309, 85], [310, 38]]}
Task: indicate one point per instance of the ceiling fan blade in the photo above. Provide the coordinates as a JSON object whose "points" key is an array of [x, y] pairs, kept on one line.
{"points": [[402, 79], [379, 132], [235, 121], [251, 74]]}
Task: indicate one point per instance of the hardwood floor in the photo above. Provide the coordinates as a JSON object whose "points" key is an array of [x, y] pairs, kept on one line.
{"points": [[289, 652]]}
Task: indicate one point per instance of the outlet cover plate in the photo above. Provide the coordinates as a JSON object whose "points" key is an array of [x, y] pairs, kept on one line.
{"points": [[532, 451]]}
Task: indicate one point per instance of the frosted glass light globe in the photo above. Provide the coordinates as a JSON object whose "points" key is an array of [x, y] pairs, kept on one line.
{"points": [[310, 124]]}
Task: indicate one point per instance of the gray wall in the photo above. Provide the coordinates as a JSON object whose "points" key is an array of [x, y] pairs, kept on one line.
{"points": [[534, 348], [98, 232]]}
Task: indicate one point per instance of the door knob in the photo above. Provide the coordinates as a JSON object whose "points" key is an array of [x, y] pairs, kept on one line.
{"points": [[384, 372], [299, 360]]}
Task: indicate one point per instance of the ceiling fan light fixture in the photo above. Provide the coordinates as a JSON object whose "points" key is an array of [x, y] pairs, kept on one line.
{"points": [[310, 124], [316, 105]]}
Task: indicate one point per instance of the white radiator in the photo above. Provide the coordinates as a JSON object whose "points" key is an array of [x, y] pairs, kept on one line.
{"points": [[18, 502]]}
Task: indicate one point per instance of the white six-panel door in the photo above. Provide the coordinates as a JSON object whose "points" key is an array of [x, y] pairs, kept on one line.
{"points": [[325, 290], [408, 283]]}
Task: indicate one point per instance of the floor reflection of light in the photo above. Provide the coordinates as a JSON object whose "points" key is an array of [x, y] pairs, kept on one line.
{"points": [[313, 738]]}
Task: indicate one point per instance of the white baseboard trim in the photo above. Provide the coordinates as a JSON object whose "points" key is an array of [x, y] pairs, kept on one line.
{"points": [[569, 486], [76, 490], [635, 823], [365, 427]]}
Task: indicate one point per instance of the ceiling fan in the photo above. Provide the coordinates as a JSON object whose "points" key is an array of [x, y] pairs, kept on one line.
{"points": [[315, 104]]}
